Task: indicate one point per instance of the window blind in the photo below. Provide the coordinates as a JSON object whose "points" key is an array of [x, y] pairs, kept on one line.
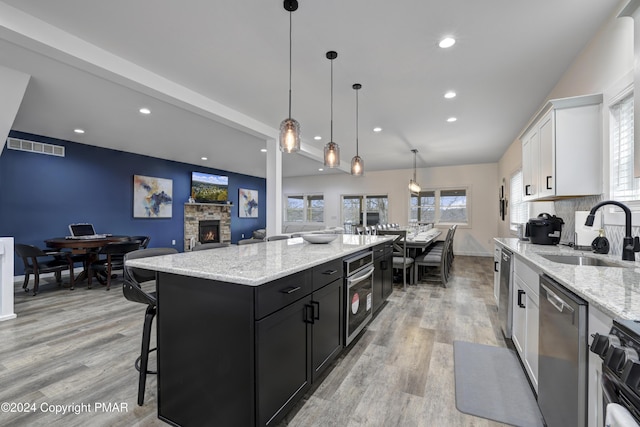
{"points": [[624, 186]]}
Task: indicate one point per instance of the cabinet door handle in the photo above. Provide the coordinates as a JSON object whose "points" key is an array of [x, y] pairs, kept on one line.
{"points": [[549, 186], [384, 265], [330, 272], [316, 309], [526, 190], [290, 290], [495, 266], [520, 293], [307, 318]]}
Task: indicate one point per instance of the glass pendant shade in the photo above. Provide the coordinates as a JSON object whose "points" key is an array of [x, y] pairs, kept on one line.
{"points": [[331, 155], [289, 135], [414, 187], [357, 166]]}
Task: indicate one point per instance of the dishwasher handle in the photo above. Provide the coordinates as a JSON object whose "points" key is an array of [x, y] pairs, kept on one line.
{"points": [[556, 301]]}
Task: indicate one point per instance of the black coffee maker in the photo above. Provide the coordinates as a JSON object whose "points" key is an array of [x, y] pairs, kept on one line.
{"points": [[545, 229]]}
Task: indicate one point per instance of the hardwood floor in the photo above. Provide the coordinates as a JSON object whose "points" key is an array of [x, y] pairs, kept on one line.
{"points": [[77, 348]]}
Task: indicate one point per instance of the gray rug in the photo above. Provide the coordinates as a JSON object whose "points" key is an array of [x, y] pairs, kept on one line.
{"points": [[490, 383]]}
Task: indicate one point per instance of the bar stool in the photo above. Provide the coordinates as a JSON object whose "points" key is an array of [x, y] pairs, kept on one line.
{"points": [[133, 292]]}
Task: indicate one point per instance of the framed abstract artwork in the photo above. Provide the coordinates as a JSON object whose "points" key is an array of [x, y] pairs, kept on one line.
{"points": [[247, 203], [152, 197]]}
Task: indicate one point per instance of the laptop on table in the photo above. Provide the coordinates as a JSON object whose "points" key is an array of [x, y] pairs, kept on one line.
{"points": [[84, 231]]}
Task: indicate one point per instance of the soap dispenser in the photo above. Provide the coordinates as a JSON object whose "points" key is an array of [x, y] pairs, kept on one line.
{"points": [[600, 244]]}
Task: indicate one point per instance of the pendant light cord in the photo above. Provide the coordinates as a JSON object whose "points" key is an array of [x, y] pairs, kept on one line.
{"points": [[357, 103], [332, 100], [290, 43]]}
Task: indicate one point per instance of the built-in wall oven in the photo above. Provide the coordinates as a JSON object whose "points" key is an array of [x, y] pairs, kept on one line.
{"points": [[358, 273]]}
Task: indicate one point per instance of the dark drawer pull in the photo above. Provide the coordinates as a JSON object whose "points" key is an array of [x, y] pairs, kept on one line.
{"points": [[330, 272], [290, 290], [520, 294]]}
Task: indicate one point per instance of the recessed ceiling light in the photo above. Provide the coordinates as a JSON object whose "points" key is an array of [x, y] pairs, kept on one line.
{"points": [[320, 169], [264, 150], [144, 111], [317, 137], [451, 119], [447, 42], [450, 94], [377, 129], [78, 130], [203, 158]]}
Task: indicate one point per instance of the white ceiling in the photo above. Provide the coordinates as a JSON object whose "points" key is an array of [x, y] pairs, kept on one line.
{"points": [[214, 72]]}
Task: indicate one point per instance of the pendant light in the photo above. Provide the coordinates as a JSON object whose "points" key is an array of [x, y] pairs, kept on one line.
{"points": [[414, 187], [331, 150], [290, 128], [357, 164]]}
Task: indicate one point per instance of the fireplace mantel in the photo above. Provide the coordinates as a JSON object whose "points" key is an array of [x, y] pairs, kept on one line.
{"points": [[196, 212]]}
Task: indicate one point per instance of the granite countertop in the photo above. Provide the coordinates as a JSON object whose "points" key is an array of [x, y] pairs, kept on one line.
{"points": [[257, 263], [613, 290]]}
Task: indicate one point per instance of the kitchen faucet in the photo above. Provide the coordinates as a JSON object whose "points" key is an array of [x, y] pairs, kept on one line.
{"points": [[629, 243]]}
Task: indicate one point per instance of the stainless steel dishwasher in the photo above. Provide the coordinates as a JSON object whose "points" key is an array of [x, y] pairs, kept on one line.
{"points": [[505, 307], [562, 356]]}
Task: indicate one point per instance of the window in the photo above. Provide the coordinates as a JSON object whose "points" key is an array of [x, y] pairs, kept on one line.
{"points": [[305, 208], [315, 208], [356, 207], [624, 187], [519, 209], [440, 206], [423, 207]]}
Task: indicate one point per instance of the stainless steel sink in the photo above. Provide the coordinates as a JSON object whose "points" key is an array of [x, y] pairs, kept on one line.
{"points": [[581, 260]]}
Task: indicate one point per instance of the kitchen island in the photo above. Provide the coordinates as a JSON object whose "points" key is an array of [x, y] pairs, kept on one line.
{"points": [[244, 331]]}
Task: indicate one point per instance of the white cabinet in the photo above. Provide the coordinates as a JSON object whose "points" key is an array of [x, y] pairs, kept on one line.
{"points": [[497, 251], [562, 149], [600, 323], [524, 332]]}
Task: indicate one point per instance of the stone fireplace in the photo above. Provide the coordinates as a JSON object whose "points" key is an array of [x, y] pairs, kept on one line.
{"points": [[205, 223]]}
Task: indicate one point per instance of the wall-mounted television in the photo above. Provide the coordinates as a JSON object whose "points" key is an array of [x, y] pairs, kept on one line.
{"points": [[209, 188]]}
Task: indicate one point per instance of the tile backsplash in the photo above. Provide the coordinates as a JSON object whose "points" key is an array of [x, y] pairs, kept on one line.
{"points": [[566, 209]]}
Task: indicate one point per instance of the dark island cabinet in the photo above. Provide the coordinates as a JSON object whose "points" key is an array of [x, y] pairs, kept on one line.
{"points": [[382, 275], [236, 355], [295, 345]]}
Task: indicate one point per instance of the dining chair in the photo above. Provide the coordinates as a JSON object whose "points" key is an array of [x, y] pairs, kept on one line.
{"points": [[37, 261], [144, 240], [401, 261], [205, 246], [438, 255], [132, 291], [114, 253]]}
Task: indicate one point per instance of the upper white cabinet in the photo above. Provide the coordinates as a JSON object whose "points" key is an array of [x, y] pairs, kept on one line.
{"points": [[562, 149]]}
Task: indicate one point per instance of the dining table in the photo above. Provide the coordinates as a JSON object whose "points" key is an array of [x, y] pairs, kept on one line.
{"points": [[418, 243], [87, 248]]}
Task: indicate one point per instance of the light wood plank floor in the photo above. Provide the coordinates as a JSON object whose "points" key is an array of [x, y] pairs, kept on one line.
{"points": [[77, 348]]}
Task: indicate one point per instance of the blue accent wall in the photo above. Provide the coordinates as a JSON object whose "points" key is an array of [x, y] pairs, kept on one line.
{"points": [[41, 195]]}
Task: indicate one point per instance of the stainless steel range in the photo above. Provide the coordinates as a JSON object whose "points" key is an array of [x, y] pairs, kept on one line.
{"points": [[619, 351], [358, 273]]}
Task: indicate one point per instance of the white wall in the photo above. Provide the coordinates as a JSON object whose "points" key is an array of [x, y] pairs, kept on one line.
{"points": [[480, 180], [605, 62]]}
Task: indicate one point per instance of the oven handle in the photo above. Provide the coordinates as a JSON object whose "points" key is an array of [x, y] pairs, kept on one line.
{"points": [[365, 274]]}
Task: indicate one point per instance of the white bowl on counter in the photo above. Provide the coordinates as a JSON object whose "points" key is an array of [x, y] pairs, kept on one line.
{"points": [[319, 238]]}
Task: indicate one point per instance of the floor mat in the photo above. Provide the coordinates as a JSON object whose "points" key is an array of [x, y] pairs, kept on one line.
{"points": [[490, 383]]}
